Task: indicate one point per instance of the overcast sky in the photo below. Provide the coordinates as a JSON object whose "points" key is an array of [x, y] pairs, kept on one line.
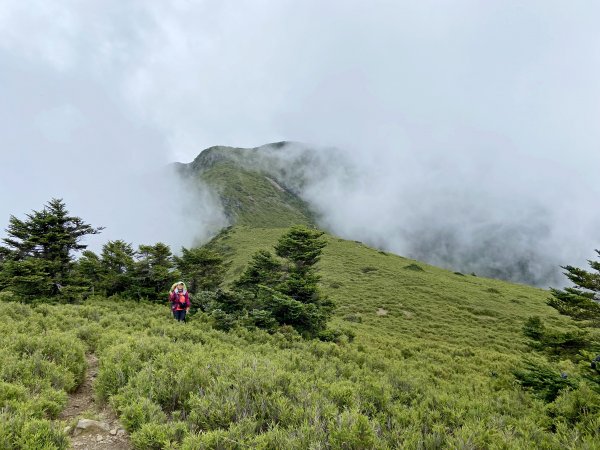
{"points": [[486, 103]]}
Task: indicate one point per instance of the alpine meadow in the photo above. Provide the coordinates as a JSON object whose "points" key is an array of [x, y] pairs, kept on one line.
{"points": [[299, 225], [296, 338]]}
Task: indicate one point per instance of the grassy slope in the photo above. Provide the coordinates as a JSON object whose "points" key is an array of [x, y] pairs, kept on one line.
{"points": [[434, 372], [249, 195], [468, 322]]}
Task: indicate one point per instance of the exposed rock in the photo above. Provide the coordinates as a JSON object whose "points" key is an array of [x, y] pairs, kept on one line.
{"points": [[113, 431], [91, 425]]}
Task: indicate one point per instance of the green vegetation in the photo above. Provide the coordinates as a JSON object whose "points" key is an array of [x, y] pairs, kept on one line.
{"points": [[255, 199], [273, 292], [412, 356], [38, 262], [435, 371], [250, 195]]}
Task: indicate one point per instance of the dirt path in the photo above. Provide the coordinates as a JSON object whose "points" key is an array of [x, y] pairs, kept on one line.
{"points": [[105, 431]]}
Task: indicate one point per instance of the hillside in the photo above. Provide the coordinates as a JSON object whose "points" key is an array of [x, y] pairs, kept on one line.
{"points": [[420, 358], [250, 193], [400, 298], [428, 363]]}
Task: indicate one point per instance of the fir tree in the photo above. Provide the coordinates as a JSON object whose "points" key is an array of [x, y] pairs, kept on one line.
{"points": [[203, 269], [39, 250], [263, 270], [153, 271], [117, 260], [286, 291], [580, 301]]}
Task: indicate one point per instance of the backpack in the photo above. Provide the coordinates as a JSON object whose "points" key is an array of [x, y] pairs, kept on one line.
{"points": [[180, 302]]}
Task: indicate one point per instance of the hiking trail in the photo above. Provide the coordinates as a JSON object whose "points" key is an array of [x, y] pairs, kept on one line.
{"points": [[92, 426]]}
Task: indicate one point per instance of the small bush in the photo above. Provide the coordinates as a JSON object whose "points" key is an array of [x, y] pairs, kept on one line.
{"points": [[154, 436], [135, 414], [357, 318], [543, 380], [42, 434], [368, 269], [414, 267]]}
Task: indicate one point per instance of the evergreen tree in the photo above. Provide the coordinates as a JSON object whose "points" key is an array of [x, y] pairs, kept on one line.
{"points": [[301, 246], [39, 250], [263, 270], [581, 302], [117, 261], [89, 272], [203, 269], [154, 271], [286, 292]]}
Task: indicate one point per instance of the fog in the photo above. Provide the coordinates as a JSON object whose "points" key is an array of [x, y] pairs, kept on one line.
{"points": [[466, 133]]}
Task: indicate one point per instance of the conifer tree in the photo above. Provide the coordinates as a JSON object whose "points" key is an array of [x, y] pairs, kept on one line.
{"points": [[581, 302], [201, 268], [285, 291], [117, 259], [263, 270], [153, 270], [39, 249]]}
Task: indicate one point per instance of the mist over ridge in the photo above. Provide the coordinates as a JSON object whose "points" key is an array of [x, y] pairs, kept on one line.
{"points": [[466, 133], [472, 228]]}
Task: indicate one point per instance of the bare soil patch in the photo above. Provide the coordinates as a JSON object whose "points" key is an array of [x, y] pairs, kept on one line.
{"points": [[82, 405]]}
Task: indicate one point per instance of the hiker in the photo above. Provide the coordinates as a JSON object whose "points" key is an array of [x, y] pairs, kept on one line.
{"points": [[180, 301]]}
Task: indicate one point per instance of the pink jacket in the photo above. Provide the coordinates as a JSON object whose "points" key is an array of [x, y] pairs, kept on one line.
{"points": [[174, 299]]}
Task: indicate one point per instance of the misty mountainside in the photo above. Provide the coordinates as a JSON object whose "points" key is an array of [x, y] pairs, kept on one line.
{"points": [[249, 187], [286, 183]]}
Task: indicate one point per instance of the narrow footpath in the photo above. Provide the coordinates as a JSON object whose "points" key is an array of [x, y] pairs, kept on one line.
{"points": [[91, 426]]}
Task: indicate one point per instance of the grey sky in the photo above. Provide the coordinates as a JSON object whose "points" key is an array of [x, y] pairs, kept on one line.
{"points": [[462, 112]]}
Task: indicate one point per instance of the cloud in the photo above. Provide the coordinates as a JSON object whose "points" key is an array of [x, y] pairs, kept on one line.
{"points": [[469, 127]]}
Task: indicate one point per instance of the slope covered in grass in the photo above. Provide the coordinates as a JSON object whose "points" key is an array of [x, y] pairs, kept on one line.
{"points": [[250, 194], [426, 358]]}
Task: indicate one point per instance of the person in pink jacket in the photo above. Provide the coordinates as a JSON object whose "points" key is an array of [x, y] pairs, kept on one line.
{"points": [[180, 301]]}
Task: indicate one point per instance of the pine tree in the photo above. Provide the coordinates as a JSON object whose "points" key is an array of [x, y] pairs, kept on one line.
{"points": [[285, 291], [263, 270], [39, 250], [154, 271], [117, 259], [201, 268], [580, 302], [302, 246]]}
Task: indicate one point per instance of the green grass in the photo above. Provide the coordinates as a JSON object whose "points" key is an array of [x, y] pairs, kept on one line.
{"points": [[250, 196], [430, 365]]}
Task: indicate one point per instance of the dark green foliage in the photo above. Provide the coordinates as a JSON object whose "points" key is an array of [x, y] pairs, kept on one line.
{"points": [[534, 328], [273, 292], [50, 234], [301, 246], [580, 302], [38, 255], [28, 278], [154, 271], [555, 343], [414, 267], [202, 268], [545, 381], [120, 270], [263, 270]]}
